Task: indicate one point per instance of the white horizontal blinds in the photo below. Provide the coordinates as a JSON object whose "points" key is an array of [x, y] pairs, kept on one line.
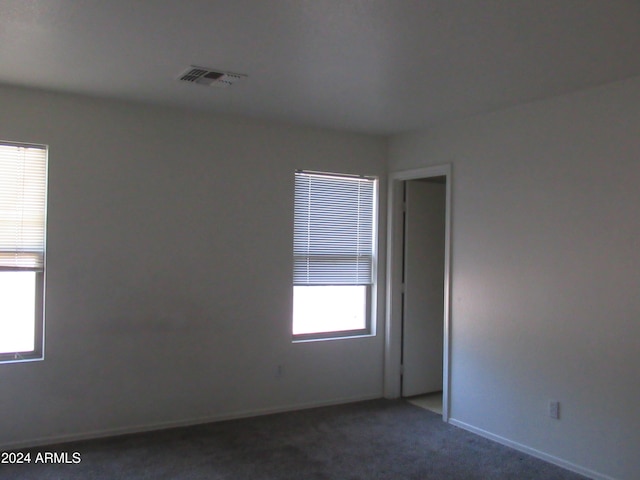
{"points": [[333, 230], [22, 206]]}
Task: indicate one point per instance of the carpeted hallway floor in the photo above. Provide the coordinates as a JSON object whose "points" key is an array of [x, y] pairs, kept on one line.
{"points": [[373, 440]]}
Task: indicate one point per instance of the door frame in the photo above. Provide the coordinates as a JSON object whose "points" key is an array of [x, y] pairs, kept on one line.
{"points": [[393, 318]]}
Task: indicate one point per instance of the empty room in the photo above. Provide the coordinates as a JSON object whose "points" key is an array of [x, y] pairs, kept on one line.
{"points": [[320, 239]]}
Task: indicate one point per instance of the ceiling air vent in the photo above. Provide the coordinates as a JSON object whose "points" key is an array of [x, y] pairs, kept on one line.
{"points": [[209, 77]]}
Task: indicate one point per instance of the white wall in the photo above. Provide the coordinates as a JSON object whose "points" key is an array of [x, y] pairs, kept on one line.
{"points": [[545, 273], [169, 270]]}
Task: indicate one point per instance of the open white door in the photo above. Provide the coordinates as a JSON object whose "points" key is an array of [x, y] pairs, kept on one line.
{"points": [[424, 284]]}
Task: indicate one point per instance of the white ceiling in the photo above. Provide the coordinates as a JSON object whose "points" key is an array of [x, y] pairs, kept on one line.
{"points": [[377, 66]]}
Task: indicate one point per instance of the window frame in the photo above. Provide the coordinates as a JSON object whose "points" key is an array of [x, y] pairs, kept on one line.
{"points": [[40, 275], [371, 288]]}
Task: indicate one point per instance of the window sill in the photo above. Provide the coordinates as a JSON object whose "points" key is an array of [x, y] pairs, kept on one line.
{"points": [[5, 359], [331, 336]]}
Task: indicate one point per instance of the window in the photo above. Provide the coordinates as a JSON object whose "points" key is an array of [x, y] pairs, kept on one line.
{"points": [[334, 251], [22, 232]]}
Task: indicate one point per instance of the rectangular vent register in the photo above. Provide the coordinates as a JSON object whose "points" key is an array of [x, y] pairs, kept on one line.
{"points": [[210, 78]]}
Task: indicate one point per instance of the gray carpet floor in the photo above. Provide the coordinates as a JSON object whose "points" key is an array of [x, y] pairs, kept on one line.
{"points": [[373, 440]]}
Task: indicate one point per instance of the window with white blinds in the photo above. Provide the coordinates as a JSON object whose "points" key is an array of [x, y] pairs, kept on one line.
{"points": [[23, 172], [22, 206], [333, 229]]}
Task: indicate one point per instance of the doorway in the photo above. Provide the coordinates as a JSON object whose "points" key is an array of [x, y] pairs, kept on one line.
{"points": [[417, 328], [423, 287]]}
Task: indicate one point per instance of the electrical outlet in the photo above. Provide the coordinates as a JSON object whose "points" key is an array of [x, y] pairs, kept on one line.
{"points": [[554, 409], [279, 371]]}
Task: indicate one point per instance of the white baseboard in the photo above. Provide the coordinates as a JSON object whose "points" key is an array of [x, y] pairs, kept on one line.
{"points": [[532, 451], [56, 439]]}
